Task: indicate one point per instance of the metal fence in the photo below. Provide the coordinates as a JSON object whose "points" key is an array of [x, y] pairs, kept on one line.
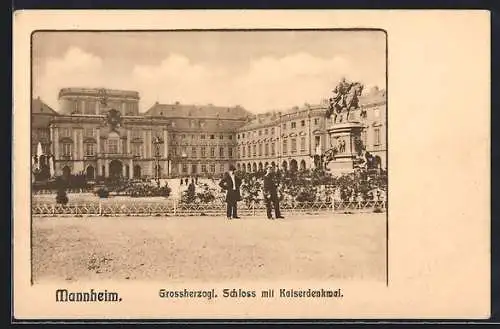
{"points": [[176, 208]]}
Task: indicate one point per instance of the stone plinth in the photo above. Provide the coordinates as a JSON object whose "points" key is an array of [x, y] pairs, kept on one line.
{"points": [[343, 136]]}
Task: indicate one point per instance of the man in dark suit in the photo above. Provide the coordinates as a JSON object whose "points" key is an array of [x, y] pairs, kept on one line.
{"points": [[270, 190], [231, 184]]}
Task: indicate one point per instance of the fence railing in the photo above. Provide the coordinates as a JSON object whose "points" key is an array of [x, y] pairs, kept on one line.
{"points": [[176, 208]]}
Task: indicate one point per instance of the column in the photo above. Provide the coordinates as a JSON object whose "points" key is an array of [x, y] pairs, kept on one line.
{"points": [[51, 136], [80, 143], [165, 145], [75, 145], [99, 169], [123, 108], [130, 168], [56, 143], [124, 170], [128, 141], [98, 139], [97, 107], [107, 168]]}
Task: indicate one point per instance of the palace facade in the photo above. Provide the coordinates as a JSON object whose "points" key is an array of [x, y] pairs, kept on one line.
{"points": [[100, 132]]}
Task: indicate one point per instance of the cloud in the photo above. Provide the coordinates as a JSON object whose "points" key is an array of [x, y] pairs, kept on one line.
{"points": [[264, 83], [76, 68]]}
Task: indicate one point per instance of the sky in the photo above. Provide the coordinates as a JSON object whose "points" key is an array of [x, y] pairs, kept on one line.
{"points": [[261, 71]]}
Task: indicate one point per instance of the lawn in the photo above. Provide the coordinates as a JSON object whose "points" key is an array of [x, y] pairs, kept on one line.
{"points": [[316, 247]]}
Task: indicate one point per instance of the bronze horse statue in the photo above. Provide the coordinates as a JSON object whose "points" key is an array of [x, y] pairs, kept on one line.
{"points": [[345, 102]]}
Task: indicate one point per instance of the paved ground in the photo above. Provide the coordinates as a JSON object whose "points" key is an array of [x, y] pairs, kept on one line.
{"points": [[210, 248]]}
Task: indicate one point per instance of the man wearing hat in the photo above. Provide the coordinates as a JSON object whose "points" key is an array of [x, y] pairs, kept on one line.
{"points": [[270, 190], [231, 184]]}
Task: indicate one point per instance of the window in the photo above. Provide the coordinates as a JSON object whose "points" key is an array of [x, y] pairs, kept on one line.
{"points": [[212, 152], [65, 132], [124, 146], [243, 135], [183, 136], [377, 136], [203, 151], [316, 121], [193, 152], [113, 146], [243, 151], [230, 151], [266, 150], [203, 168], [76, 107], [231, 137], [89, 107], [221, 137], [136, 134], [238, 136], [89, 149], [254, 150], [67, 149], [248, 151], [294, 145], [137, 149], [212, 136], [285, 147], [284, 126], [273, 149], [212, 168], [294, 125], [221, 152], [302, 143], [303, 123], [202, 137], [317, 140], [193, 137], [260, 132], [43, 133], [266, 131], [222, 167], [260, 149], [272, 131], [184, 167]]}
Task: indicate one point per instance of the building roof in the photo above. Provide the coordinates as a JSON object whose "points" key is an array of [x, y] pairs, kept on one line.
{"points": [[178, 110], [39, 107], [96, 92]]}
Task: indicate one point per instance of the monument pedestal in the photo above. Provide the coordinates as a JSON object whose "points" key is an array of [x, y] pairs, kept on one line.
{"points": [[344, 136]]}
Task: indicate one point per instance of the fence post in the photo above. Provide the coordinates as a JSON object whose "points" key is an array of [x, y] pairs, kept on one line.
{"points": [[253, 207], [175, 207], [100, 207]]}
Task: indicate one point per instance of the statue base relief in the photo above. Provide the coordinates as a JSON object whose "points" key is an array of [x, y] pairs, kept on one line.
{"points": [[343, 136]]}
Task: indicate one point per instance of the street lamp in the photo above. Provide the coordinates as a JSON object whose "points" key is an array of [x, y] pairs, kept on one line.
{"points": [[157, 142]]}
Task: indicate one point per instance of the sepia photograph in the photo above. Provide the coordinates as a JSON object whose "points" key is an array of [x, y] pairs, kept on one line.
{"points": [[209, 155], [238, 165]]}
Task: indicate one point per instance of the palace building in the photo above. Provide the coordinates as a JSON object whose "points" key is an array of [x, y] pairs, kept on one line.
{"points": [[100, 132]]}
